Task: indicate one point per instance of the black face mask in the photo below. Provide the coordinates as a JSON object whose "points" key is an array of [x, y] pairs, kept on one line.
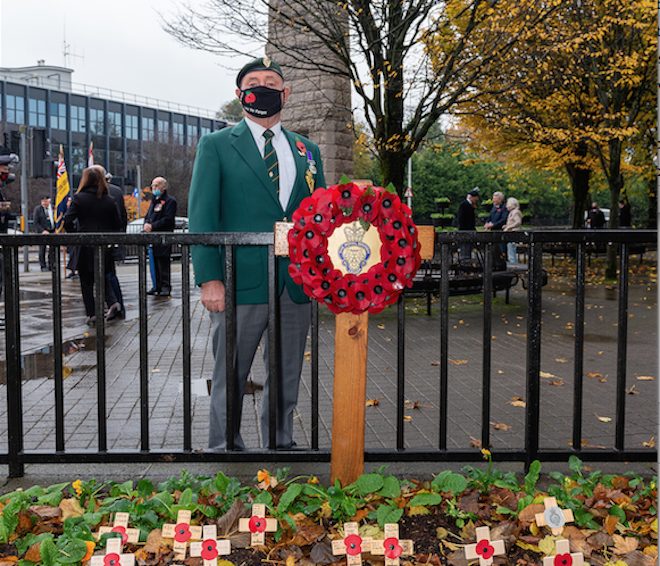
{"points": [[261, 101]]}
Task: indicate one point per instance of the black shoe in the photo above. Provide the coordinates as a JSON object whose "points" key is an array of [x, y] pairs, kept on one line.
{"points": [[113, 312], [165, 293], [91, 321], [45, 269], [71, 275], [152, 291]]}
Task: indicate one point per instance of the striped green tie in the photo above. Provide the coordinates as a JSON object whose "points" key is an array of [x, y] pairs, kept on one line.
{"points": [[270, 157]]}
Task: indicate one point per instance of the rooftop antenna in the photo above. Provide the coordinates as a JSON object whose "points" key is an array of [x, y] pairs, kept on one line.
{"points": [[67, 52]]}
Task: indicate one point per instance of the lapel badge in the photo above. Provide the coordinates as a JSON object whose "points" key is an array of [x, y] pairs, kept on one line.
{"points": [[311, 164], [300, 146], [266, 61], [309, 177]]}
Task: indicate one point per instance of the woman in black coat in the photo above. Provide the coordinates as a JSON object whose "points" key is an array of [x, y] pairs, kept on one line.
{"points": [[92, 210]]}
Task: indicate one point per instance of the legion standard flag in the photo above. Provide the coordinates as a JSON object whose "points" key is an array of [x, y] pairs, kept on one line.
{"points": [[63, 191], [90, 155]]}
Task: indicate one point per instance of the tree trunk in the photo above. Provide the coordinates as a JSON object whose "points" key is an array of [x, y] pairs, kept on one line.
{"points": [[580, 186], [652, 221], [615, 181], [393, 167]]}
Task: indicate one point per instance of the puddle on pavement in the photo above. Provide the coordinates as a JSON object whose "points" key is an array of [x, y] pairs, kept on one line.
{"points": [[41, 364]]}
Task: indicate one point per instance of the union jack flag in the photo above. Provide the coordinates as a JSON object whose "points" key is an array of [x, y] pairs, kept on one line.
{"points": [[63, 192]]}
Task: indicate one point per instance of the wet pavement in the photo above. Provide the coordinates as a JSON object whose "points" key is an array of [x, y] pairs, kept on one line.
{"points": [[422, 371]]}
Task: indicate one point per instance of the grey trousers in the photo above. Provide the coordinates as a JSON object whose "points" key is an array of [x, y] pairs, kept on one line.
{"points": [[251, 323]]}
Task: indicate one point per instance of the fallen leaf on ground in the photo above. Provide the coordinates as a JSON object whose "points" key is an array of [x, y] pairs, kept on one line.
{"points": [[632, 390], [407, 418], [528, 515], [458, 362], [645, 378], [435, 363], [595, 375], [517, 402], [475, 442], [556, 382], [604, 419], [71, 508], [372, 402], [624, 545], [408, 404], [500, 426], [547, 375], [381, 326], [561, 360], [650, 443]]}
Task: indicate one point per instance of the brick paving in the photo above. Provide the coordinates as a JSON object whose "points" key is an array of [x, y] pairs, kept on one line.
{"points": [[422, 372]]}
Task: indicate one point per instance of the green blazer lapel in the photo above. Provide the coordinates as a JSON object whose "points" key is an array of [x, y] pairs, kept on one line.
{"points": [[246, 147], [300, 189]]}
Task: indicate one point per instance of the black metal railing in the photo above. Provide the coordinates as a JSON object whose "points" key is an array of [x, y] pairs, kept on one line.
{"points": [[16, 457]]}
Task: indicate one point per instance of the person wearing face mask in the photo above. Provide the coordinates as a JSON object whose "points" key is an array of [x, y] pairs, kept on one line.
{"points": [[245, 179], [161, 218]]}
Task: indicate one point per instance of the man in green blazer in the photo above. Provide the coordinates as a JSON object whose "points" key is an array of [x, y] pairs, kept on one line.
{"points": [[245, 179]]}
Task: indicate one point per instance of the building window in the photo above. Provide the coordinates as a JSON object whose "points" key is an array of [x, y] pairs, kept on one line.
{"points": [[15, 109], [37, 113], [114, 123], [177, 132], [205, 130], [192, 134], [131, 127], [96, 121], [78, 123], [78, 160], [58, 116], [148, 129], [163, 131]]}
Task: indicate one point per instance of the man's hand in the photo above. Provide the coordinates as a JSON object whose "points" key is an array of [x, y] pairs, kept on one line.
{"points": [[147, 227], [213, 296], [45, 232]]}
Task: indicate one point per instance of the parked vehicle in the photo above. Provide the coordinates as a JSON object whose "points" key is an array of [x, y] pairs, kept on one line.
{"points": [[137, 227]]}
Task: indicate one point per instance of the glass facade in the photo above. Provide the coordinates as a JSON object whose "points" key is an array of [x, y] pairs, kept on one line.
{"points": [[78, 121], [114, 123], [177, 132], [15, 110], [58, 115], [131, 127], [148, 128], [163, 131], [97, 121], [192, 134], [37, 112]]}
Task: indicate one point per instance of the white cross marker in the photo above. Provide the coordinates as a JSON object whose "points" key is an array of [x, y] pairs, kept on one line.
{"points": [[258, 525], [113, 555], [210, 547], [182, 533], [120, 525], [392, 547], [352, 545], [564, 557], [484, 549], [553, 516]]}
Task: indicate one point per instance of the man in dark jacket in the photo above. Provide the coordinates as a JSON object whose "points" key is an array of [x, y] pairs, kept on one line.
{"points": [[43, 223], [161, 218], [117, 195], [498, 214], [596, 217], [467, 220]]}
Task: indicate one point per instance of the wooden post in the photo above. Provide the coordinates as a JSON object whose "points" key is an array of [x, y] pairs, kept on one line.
{"points": [[349, 397]]}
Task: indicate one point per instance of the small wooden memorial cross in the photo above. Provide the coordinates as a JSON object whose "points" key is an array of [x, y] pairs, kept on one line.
{"points": [[564, 557], [210, 547], [258, 525], [392, 548], [113, 555], [484, 549], [352, 545], [553, 516], [182, 533], [350, 377], [120, 525]]}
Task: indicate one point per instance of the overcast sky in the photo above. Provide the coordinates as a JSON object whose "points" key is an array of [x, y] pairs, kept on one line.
{"points": [[123, 45]]}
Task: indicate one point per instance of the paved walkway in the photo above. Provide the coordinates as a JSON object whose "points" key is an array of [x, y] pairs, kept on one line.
{"points": [[422, 372]]}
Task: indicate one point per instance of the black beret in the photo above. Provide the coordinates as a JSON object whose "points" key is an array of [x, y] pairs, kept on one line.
{"points": [[474, 192], [259, 64]]}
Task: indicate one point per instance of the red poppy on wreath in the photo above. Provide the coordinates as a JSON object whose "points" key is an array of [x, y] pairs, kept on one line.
{"points": [[250, 97], [112, 559], [122, 531], [392, 548], [182, 532], [353, 545], [209, 549], [485, 549], [360, 295], [257, 524], [349, 196], [370, 205], [563, 560]]}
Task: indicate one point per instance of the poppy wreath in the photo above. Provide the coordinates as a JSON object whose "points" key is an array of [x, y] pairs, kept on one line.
{"points": [[325, 210]]}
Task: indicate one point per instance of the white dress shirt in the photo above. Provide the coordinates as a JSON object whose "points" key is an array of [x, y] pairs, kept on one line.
{"points": [[285, 160], [49, 211]]}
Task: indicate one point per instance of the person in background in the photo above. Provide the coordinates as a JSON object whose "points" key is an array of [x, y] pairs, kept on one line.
{"points": [[72, 252], [92, 210], [43, 222], [161, 217], [466, 219], [625, 213], [513, 224], [596, 217], [498, 214], [117, 195]]}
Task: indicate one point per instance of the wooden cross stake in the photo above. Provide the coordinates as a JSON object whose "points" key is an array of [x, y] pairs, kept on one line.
{"points": [[182, 533], [352, 545], [553, 516], [392, 548], [484, 549], [258, 525], [120, 525], [210, 547], [113, 555], [564, 557]]}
